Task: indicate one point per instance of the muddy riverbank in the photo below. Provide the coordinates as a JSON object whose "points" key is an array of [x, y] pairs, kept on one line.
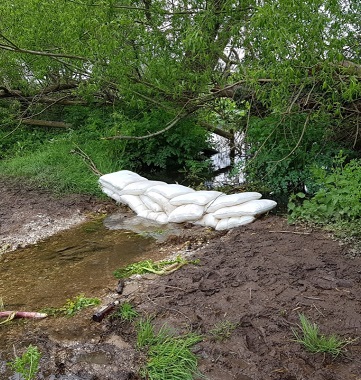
{"points": [[257, 279]]}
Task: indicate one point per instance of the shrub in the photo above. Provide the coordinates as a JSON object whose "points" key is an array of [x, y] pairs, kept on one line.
{"points": [[338, 197], [281, 152]]}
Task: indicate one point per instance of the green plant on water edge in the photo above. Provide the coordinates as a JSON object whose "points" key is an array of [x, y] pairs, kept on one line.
{"points": [[27, 365], [150, 266], [72, 306], [126, 312], [168, 356], [314, 342], [222, 330]]}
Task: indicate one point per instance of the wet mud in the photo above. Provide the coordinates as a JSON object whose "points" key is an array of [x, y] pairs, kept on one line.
{"points": [[258, 279]]}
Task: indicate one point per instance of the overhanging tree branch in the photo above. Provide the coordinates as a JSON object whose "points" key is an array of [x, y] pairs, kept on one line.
{"points": [[217, 131], [170, 125]]}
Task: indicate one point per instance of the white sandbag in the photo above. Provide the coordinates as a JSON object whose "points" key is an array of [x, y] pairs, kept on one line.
{"points": [[159, 217], [186, 213], [171, 191], [120, 179], [108, 187], [208, 220], [198, 198], [107, 191], [134, 202], [232, 200], [112, 194], [116, 197], [228, 223], [151, 205], [255, 207], [161, 200], [139, 187]]}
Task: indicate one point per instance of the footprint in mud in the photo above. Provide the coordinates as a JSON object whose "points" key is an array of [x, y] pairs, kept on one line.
{"points": [[211, 283]]}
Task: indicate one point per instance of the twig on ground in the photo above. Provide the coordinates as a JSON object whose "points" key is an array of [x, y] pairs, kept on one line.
{"points": [[291, 232], [318, 310], [314, 298]]}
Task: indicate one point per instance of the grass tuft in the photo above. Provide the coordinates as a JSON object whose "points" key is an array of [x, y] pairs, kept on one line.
{"points": [[223, 330], [126, 312], [169, 357], [72, 306], [314, 342], [150, 266]]}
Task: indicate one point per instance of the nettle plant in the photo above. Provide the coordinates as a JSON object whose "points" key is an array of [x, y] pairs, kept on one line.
{"points": [[338, 197]]}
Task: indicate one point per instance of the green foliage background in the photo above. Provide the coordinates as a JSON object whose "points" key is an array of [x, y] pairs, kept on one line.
{"points": [[283, 152], [284, 74], [336, 201]]}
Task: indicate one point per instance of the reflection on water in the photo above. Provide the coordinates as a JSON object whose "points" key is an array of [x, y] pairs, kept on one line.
{"points": [[80, 260]]}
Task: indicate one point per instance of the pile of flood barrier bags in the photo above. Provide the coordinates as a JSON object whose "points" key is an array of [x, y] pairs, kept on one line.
{"points": [[173, 203]]}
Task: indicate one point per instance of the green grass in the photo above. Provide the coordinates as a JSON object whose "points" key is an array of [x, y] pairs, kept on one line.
{"points": [[222, 330], [53, 167], [145, 333], [126, 312], [314, 342], [169, 357], [58, 163]]}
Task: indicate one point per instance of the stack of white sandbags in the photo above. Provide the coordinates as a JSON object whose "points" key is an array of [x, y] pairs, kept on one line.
{"points": [[166, 203]]}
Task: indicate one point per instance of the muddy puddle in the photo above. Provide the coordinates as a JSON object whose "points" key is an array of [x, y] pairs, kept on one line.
{"points": [[80, 260], [77, 261]]}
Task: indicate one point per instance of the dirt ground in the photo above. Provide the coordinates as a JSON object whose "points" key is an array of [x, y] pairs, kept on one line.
{"points": [[256, 279]]}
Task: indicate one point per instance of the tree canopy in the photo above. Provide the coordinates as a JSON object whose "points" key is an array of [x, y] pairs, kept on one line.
{"points": [[272, 57]]}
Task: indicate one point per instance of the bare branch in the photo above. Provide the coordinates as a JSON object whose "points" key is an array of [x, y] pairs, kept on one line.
{"points": [[88, 161], [229, 91], [42, 53]]}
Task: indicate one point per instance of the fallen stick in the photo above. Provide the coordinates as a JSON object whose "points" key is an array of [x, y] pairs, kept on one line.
{"points": [[23, 314], [291, 232]]}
